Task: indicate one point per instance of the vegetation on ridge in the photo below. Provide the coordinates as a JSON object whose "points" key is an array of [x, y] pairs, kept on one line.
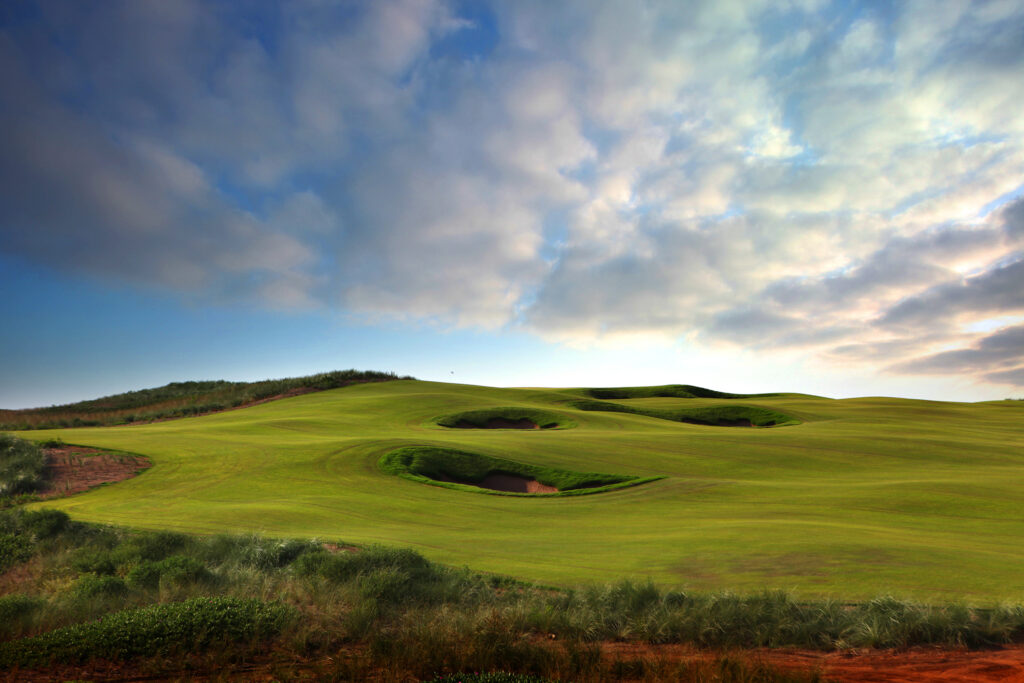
{"points": [[178, 399]]}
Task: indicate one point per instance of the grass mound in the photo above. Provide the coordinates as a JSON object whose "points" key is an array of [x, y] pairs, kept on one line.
{"points": [[462, 470], [509, 417], [159, 629], [664, 391], [717, 416]]}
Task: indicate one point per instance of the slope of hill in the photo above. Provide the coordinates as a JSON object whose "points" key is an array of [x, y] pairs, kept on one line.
{"points": [[180, 399], [854, 498]]}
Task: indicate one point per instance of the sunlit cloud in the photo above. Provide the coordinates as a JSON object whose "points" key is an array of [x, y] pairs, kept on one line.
{"points": [[829, 177]]}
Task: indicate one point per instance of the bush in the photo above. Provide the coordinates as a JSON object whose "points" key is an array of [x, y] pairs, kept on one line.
{"points": [[177, 570], [91, 586], [176, 627], [13, 550], [22, 466], [16, 612]]}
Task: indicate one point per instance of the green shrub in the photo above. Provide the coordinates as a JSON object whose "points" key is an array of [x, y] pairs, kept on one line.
{"points": [[16, 613], [177, 570], [176, 627], [13, 550], [94, 561], [22, 466], [92, 586]]}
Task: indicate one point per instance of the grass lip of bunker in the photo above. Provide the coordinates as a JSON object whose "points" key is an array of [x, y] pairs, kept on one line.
{"points": [[507, 417], [666, 391], [465, 471], [722, 415]]}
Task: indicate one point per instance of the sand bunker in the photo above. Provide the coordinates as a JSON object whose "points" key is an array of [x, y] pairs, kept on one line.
{"points": [[73, 469], [500, 423], [511, 483]]}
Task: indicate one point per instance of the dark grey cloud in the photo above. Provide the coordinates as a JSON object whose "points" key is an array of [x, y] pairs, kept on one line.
{"points": [[999, 290], [995, 352]]}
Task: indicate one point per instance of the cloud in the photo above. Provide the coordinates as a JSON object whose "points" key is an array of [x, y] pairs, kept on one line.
{"points": [[999, 357], [762, 175]]}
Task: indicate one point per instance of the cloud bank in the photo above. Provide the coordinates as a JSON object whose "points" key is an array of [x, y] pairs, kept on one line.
{"points": [[838, 179]]}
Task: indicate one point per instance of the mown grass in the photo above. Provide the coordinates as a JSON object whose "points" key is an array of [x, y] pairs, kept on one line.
{"points": [[432, 465], [178, 399], [919, 499], [380, 610]]}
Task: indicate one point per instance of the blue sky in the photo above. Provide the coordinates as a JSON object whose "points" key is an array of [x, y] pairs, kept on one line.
{"points": [[804, 196]]}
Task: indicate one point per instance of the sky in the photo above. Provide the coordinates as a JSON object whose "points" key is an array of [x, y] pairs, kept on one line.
{"points": [[802, 195]]}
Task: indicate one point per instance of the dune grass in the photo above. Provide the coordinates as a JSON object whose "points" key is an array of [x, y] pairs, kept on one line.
{"points": [[393, 613], [870, 496]]}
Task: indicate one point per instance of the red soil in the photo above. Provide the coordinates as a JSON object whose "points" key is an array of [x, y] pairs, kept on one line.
{"points": [[916, 665], [73, 469], [884, 666], [919, 665]]}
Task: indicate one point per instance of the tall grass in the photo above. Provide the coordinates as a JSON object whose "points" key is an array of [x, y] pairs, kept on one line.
{"points": [[22, 466], [89, 589], [178, 399]]}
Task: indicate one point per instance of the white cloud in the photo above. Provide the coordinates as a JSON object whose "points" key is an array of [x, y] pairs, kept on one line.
{"points": [[701, 169]]}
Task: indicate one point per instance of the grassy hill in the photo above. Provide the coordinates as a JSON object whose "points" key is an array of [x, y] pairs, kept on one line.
{"points": [[180, 399], [850, 498]]}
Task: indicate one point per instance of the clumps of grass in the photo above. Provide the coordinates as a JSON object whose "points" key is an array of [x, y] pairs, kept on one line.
{"points": [[156, 630], [665, 391], [728, 415], [434, 465], [505, 417], [17, 613], [179, 399], [22, 467], [400, 616]]}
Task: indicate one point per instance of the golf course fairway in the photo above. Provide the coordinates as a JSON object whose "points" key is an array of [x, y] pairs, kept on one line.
{"points": [[852, 499]]}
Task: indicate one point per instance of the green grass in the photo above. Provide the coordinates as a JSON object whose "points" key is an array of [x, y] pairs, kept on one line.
{"points": [[863, 497]]}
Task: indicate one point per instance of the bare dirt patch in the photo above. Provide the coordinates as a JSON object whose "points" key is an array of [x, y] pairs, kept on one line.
{"points": [[918, 665], [73, 469], [510, 483], [500, 423]]}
